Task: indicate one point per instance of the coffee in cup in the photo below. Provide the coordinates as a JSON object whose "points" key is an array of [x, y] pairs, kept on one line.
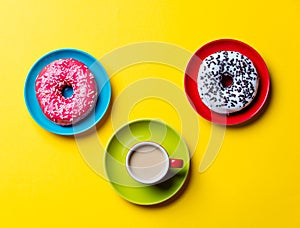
{"points": [[149, 163]]}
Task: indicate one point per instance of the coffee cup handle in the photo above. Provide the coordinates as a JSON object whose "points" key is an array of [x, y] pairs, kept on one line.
{"points": [[176, 163]]}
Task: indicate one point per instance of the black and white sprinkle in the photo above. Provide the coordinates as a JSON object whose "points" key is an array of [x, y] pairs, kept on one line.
{"points": [[237, 96]]}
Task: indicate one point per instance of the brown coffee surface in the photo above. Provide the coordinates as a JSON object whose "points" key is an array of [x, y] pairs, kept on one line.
{"points": [[147, 162]]}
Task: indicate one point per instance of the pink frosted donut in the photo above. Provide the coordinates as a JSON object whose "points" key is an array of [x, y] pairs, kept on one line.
{"points": [[51, 82]]}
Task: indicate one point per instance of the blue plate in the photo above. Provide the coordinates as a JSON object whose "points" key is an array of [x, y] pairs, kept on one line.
{"points": [[103, 84]]}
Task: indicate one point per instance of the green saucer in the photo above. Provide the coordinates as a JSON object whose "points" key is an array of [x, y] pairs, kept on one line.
{"points": [[123, 140]]}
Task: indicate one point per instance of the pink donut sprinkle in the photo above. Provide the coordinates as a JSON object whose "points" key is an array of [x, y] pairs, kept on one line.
{"points": [[50, 84]]}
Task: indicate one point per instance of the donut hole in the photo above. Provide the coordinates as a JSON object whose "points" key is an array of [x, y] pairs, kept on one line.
{"points": [[226, 80], [67, 91]]}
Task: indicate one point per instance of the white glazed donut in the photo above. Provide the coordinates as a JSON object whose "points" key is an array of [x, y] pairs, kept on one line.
{"points": [[227, 81]]}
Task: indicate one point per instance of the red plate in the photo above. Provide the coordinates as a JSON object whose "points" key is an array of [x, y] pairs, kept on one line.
{"points": [[191, 75]]}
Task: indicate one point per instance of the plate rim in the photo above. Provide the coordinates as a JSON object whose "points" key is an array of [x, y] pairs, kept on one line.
{"points": [[194, 98], [105, 87], [180, 186]]}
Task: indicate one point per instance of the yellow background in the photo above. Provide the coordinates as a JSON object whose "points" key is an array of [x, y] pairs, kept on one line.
{"points": [[255, 180]]}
